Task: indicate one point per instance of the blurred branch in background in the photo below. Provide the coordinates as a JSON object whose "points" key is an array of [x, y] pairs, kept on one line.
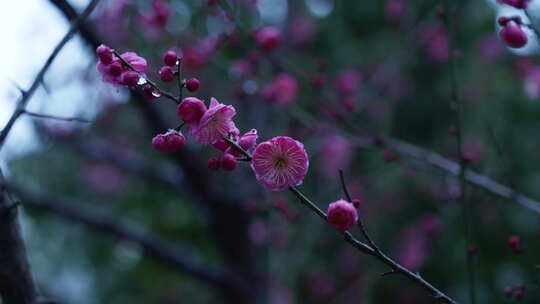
{"points": [[161, 250], [16, 283], [436, 160], [27, 94]]}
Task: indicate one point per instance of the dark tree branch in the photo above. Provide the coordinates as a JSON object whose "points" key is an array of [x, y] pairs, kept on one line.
{"points": [[21, 105], [16, 283], [161, 250]]}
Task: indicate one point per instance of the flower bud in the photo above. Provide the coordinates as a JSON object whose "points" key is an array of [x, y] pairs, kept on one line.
{"points": [[513, 35], [115, 69], [268, 38], [228, 162], [166, 74], [192, 84], [170, 58], [191, 109], [105, 54], [169, 142], [214, 163], [130, 79], [148, 91], [342, 215]]}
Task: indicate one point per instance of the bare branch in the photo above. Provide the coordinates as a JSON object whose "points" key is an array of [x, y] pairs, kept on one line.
{"points": [[39, 77], [53, 117]]}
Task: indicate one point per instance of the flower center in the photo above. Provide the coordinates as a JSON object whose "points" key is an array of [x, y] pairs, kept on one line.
{"points": [[280, 162]]}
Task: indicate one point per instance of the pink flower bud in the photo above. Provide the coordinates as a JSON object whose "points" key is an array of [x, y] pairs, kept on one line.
{"points": [[228, 162], [166, 74], [389, 156], [282, 90], [508, 291], [170, 58], [513, 35], [191, 109], [115, 69], [342, 215], [104, 54], [192, 84], [472, 250], [514, 240], [148, 91], [356, 202], [318, 80], [130, 79], [248, 140], [214, 163], [221, 145], [169, 142], [268, 38]]}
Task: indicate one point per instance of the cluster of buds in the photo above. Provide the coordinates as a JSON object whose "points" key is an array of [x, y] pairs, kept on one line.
{"points": [[228, 161], [115, 71], [517, 292], [515, 244], [170, 71]]}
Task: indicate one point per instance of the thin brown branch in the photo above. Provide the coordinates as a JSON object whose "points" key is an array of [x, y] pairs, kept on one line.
{"points": [[371, 250], [360, 218], [149, 81]]}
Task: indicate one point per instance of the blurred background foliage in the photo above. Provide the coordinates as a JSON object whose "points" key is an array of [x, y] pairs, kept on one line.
{"points": [[396, 55]]}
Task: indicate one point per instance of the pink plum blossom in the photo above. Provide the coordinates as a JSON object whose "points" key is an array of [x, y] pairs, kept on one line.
{"points": [[215, 123], [335, 154], [280, 163], [282, 90], [268, 38]]}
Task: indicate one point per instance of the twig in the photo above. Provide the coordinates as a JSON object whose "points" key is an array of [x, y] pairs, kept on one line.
{"points": [[150, 82], [39, 77], [37, 115], [397, 268], [360, 220], [365, 248], [456, 105]]}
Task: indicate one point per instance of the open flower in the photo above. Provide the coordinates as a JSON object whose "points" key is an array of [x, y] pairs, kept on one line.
{"points": [[215, 123], [280, 163]]}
